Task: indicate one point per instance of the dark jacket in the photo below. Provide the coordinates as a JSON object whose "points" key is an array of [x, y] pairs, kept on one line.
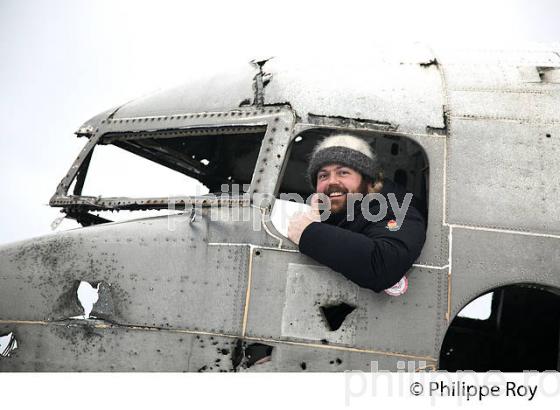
{"points": [[368, 253]]}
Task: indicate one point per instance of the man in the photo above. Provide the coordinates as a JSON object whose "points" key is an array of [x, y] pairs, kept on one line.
{"points": [[373, 254]]}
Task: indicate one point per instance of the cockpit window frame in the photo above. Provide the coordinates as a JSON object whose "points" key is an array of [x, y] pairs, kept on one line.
{"points": [[278, 122]]}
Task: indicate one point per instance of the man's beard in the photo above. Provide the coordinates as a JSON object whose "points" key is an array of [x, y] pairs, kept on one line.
{"points": [[363, 189]]}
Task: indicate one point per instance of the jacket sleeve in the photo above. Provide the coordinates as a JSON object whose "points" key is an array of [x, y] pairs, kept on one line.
{"points": [[374, 263]]}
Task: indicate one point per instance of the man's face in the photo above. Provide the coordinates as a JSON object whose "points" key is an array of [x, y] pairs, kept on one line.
{"points": [[336, 181]]}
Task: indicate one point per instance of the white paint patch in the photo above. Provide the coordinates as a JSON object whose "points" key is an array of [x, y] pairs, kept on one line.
{"points": [[88, 296], [8, 343]]}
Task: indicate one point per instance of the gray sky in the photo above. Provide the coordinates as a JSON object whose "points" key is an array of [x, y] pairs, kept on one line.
{"points": [[62, 62]]}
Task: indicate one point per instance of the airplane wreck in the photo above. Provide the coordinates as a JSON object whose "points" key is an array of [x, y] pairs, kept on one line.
{"points": [[473, 135]]}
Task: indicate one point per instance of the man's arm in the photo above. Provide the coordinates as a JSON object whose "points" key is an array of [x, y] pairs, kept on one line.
{"points": [[376, 262]]}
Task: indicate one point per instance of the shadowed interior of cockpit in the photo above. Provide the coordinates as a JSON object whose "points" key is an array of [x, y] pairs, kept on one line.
{"points": [[402, 160]]}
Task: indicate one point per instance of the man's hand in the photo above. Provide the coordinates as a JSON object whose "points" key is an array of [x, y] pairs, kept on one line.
{"points": [[302, 220]]}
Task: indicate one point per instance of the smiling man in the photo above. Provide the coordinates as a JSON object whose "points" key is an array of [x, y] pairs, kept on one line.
{"points": [[369, 248]]}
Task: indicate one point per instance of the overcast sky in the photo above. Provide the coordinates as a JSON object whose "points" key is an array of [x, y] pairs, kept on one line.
{"points": [[61, 62]]}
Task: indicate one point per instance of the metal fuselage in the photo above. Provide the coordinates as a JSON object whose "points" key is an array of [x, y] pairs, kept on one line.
{"points": [[207, 293]]}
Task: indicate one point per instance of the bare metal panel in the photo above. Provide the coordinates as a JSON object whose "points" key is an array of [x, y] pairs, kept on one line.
{"points": [[535, 55], [435, 250], [504, 174], [57, 347], [62, 348], [268, 290], [480, 263], [198, 95], [308, 288], [496, 77], [297, 358], [286, 295], [155, 275], [406, 95], [238, 225], [536, 107]]}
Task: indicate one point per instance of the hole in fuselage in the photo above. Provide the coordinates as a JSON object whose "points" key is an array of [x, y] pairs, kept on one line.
{"points": [[515, 329], [336, 314], [258, 353]]}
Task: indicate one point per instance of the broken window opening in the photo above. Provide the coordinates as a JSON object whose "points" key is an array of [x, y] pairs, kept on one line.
{"points": [[522, 332], [400, 157], [140, 170], [173, 163], [335, 315]]}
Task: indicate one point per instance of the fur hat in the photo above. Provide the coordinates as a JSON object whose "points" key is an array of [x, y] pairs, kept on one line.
{"points": [[346, 150]]}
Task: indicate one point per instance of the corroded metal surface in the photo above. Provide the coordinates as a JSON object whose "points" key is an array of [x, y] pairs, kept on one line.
{"points": [[401, 96], [521, 191], [286, 305], [196, 297], [480, 263], [79, 347]]}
